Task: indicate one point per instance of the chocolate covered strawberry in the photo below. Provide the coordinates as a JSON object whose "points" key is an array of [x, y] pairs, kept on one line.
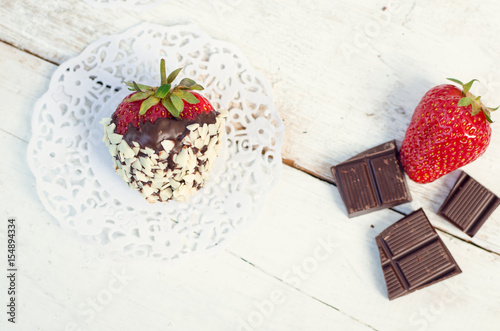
{"points": [[164, 140], [449, 129]]}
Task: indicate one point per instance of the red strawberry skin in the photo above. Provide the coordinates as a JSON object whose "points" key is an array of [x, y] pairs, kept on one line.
{"points": [[442, 136], [128, 112]]}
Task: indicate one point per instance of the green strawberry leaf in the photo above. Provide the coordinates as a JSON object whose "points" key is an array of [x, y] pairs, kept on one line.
{"points": [[173, 75], [187, 82], [186, 96], [466, 87], [177, 102], [455, 81], [133, 86], [470, 99], [196, 87], [148, 103], [139, 96], [170, 107], [162, 91], [464, 102], [137, 88], [487, 115], [130, 86]]}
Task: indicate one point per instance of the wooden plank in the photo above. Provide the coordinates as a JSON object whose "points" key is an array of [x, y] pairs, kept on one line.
{"points": [[58, 30], [66, 284], [381, 91], [303, 249], [23, 79], [334, 103], [306, 240]]}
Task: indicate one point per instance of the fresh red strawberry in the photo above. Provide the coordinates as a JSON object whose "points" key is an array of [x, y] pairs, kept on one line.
{"points": [[150, 103], [449, 129]]}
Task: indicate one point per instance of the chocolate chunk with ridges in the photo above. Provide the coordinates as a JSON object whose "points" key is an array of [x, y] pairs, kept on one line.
{"points": [[468, 205], [372, 180], [413, 256]]}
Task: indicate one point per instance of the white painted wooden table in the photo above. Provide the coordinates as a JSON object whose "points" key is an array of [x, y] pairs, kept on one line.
{"points": [[346, 76]]}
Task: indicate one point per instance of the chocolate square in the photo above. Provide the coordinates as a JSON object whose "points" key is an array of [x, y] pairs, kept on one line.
{"points": [[372, 180], [468, 205], [413, 256]]}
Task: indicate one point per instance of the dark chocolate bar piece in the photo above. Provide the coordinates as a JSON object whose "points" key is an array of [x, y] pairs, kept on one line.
{"points": [[413, 256], [372, 180], [468, 205]]}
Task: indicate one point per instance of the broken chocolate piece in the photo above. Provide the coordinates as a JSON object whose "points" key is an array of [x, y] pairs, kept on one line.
{"points": [[468, 205], [413, 256], [372, 180]]}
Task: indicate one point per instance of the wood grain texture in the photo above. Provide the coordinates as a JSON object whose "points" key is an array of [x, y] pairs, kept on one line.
{"points": [[323, 268], [374, 60], [24, 79], [346, 76], [66, 283], [295, 242]]}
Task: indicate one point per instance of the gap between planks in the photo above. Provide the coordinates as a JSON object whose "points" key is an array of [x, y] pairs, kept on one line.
{"points": [[285, 161], [13, 135], [28, 52], [293, 164], [299, 290]]}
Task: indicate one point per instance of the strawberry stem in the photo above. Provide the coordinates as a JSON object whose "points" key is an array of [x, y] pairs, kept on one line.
{"points": [[163, 72], [470, 99], [171, 97]]}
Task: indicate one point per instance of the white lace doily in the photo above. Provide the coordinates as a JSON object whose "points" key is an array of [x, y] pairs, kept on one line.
{"points": [[75, 178]]}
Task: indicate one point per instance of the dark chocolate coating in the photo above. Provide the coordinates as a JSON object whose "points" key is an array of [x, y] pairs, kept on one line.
{"points": [[152, 134]]}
